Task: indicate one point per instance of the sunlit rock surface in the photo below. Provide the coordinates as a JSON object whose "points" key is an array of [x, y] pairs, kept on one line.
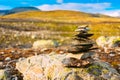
{"points": [[50, 67], [45, 44], [108, 41]]}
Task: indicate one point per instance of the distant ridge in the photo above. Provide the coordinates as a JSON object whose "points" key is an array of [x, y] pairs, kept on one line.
{"points": [[17, 10], [21, 9], [3, 12]]}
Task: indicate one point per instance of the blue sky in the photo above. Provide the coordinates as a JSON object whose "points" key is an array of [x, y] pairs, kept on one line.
{"points": [[109, 7]]}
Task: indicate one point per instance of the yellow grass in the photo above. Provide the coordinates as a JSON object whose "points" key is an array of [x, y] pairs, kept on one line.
{"points": [[62, 16]]}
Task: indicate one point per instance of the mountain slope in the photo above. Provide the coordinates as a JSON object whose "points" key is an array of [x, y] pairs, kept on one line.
{"points": [[17, 10], [21, 9], [61, 16], [3, 12]]}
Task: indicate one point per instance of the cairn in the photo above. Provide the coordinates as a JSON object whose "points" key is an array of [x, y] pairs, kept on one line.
{"points": [[81, 45]]}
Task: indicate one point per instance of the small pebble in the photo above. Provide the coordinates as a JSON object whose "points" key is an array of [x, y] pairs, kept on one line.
{"points": [[12, 51], [7, 59], [2, 52], [119, 53], [20, 59], [44, 49], [61, 52], [1, 63], [111, 55]]}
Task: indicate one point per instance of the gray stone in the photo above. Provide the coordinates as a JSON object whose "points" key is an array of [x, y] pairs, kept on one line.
{"points": [[50, 67], [87, 55], [7, 59], [2, 75], [45, 44]]}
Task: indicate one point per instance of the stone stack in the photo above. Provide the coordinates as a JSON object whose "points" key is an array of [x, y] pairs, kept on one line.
{"points": [[81, 45]]}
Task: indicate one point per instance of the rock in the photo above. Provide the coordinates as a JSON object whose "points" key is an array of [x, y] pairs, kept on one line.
{"points": [[45, 44], [81, 42], [78, 49], [33, 36], [108, 41], [73, 62], [50, 67], [2, 75], [111, 55], [101, 41], [2, 53], [7, 59], [85, 35], [1, 65], [83, 28], [87, 55], [77, 56]]}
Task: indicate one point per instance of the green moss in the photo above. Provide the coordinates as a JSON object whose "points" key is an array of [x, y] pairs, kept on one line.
{"points": [[95, 70], [105, 71]]}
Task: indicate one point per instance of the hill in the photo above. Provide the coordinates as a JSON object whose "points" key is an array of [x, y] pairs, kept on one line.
{"points": [[21, 9], [62, 16], [17, 10], [3, 12]]}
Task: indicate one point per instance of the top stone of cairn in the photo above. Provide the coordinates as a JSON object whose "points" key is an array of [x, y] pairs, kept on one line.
{"points": [[82, 29]]}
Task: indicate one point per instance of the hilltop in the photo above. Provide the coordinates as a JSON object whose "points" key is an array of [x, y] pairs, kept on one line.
{"points": [[61, 16]]}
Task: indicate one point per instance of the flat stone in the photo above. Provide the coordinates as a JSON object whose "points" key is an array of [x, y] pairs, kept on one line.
{"points": [[84, 44], [81, 39], [77, 56], [82, 29], [87, 55], [78, 49], [84, 35]]}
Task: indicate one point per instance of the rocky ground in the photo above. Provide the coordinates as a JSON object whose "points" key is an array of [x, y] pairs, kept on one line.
{"points": [[9, 57]]}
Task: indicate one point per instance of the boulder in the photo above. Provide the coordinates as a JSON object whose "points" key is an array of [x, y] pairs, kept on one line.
{"points": [[2, 75], [50, 67], [108, 41], [45, 44]]}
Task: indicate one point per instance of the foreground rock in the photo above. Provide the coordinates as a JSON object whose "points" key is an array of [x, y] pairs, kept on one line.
{"points": [[45, 44], [2, 75], [50, 67]]}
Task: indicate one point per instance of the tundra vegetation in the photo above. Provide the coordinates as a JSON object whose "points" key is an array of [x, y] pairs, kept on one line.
{"points": [[26, 27]]}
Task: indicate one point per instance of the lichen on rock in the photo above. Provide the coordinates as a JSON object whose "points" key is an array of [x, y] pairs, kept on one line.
{"points": [[50, 67]]}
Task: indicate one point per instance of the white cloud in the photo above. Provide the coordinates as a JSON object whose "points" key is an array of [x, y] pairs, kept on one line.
{"points": [[88, 7], [114, 13], [2, 7], [85, 7], [59, 1]]}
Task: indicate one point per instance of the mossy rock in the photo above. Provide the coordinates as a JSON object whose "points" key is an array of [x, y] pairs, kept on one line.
{"points": [[50, 67]]}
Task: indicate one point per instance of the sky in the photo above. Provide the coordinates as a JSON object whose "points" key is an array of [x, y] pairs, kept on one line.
{"points": [[108, 7]]}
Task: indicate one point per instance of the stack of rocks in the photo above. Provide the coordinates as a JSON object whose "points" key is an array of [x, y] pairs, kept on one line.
{"points": [[81, 45]]}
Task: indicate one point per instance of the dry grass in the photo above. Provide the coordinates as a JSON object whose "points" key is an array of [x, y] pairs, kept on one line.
{"points": [[61, 21], [62, 16]]}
